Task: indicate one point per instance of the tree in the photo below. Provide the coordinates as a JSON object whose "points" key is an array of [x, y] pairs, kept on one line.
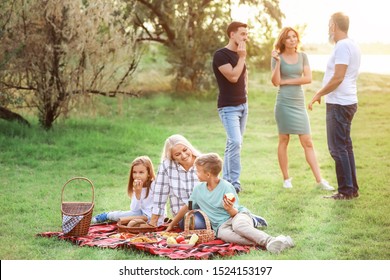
{"points": [[56, 49], [192, 30]]}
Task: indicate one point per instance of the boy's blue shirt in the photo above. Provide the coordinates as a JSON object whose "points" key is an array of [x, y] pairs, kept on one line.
{"points": [[211, 202]]}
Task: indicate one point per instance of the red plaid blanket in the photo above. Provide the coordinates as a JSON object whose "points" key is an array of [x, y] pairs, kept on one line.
{"points": [[99, 236]]}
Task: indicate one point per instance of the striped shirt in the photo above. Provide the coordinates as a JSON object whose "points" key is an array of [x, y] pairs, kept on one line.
{"points": [[173, 182]]}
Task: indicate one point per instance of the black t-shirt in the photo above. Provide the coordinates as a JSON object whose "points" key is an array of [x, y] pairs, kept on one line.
{"points": [[230, 94]]}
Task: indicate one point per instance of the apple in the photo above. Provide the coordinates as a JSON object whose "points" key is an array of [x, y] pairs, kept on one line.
{"points": [[180, 239], [230, 196], [184, 242]]}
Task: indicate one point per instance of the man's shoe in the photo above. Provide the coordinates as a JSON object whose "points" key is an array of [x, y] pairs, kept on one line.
{"points": [[287, 183], [340, 196], [324, 185], [259, 221], [279, 244], [100, 218]]}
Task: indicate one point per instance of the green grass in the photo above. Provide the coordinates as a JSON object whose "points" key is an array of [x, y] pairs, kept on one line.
{"points": [[99, 141]]}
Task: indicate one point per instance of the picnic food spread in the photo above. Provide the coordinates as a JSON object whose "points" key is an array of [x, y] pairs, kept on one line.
{"points": [[166, 234], [180, 239], [107, 236]]}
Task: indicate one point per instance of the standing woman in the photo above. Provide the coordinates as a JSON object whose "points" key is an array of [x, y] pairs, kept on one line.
{"points": [[290, 70]]}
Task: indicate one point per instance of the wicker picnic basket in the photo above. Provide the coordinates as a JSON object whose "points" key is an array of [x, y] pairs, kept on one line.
{"points": [[78, 209], [205, 235], [122, 225]]}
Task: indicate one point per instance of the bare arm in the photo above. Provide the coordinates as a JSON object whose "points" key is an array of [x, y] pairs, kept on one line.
{"points": [[232, 74], [334, 82], [183, 210], [229, 207], [154, 219], [305, 79], [275, 77]]}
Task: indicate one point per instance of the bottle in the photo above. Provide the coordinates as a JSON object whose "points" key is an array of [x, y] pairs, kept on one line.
{"points": [[191, 224]]}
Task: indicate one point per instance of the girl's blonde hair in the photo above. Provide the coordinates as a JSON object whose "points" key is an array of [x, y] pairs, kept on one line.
{"points": [[173, 141], [145, 161], [280, 45]]}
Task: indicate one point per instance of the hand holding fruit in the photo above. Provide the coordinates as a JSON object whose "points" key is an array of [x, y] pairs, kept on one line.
{"points": [[228, 201], [230, 196], [137, 183]]}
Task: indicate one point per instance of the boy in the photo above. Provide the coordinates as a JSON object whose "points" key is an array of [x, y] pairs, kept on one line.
{"points": [[231, 221]]}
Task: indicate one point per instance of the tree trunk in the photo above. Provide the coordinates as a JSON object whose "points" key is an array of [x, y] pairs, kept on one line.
{"points": [[11, 116]]}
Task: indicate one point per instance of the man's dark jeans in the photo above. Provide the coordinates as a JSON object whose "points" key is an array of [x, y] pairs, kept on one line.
{"points": [[338, 125]]}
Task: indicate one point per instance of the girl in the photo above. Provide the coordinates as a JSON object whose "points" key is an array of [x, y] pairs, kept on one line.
{"points": [[140, 190]]}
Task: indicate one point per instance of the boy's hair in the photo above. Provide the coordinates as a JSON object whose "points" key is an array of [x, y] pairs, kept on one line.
{"points": [[145, 161], [233, 27], [210, 162]]}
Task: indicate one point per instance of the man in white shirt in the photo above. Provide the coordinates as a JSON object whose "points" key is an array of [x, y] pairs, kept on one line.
{"points": [[340, 91]]}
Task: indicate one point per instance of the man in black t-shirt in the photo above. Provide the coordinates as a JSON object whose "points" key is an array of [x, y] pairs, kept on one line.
{"points": [[230, 71]]}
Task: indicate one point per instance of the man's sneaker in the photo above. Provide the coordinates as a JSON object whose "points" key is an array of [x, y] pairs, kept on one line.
{"points": [[237, 188], [324, 185], [287, 183], [279, 244], [100, 218], [259, 221]]}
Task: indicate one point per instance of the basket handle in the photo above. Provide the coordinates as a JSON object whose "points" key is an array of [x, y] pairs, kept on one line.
{"points": [[78, 178], [192, 213]]}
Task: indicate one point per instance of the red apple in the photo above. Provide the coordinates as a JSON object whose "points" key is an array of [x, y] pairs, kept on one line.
{"points": [[184, 242], [230, 196], [179, 239]]}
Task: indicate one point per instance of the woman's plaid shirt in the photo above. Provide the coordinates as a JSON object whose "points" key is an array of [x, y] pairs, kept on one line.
{"points": [[173, 182]]}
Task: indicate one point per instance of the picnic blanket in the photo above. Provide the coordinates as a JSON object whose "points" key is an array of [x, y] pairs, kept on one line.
{"points": [[99, 236]]}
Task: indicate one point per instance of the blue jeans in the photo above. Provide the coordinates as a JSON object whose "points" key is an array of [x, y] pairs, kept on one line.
{"points": [[200, 223], [234, 120], [338, 125]]}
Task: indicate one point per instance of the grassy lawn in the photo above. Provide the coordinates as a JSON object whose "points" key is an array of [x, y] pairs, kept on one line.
{"points": [[102, 136]]}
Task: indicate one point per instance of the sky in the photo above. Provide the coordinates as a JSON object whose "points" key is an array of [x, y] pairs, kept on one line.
{"points": [[369, 19]]}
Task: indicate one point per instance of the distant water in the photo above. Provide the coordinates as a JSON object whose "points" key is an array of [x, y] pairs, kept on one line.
{"points": [[379, 64]]}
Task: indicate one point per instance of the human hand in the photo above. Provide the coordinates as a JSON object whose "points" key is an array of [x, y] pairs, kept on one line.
{"points": [[241, 49], [275, 55], [227, 204], [169, 227], [316, 98], [137, 184]]}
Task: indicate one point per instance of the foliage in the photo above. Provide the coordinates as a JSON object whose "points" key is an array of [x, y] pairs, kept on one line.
{"points": [[192, 30], [55, 49], [35, 164]]}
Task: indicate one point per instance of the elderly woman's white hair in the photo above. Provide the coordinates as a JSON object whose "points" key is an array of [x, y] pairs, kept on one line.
{"points": [[174, 140]]}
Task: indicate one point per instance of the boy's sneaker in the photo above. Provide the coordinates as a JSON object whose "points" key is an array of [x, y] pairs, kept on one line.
{"points": [[259, 221], [324, 185], [100, 218], [279, 244], [287, 183]]}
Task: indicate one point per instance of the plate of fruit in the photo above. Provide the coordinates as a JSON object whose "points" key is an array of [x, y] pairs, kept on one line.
{"points": [[182, 241]]}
